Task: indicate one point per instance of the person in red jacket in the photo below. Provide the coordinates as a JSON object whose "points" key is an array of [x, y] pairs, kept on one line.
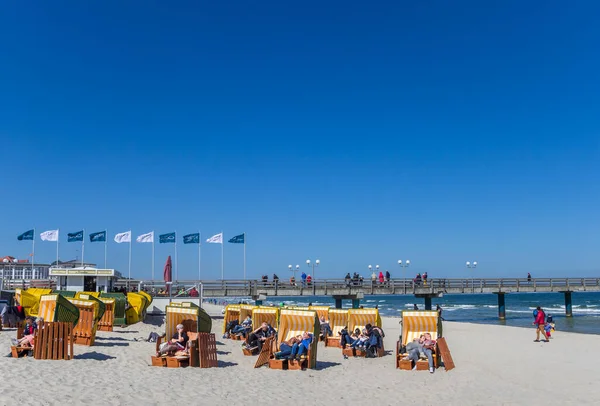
{"points": [[540, 321]]}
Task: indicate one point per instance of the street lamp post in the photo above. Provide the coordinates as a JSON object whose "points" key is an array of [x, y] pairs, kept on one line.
{"points": [[313, 264], [294, 270], [404, 265], [472, 265], [376, 271]]}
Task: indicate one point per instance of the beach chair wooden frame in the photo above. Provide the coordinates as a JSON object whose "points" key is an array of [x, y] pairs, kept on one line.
{"points": [[415, 323], [291, 324], [84, 333], [54, 341], [338, 319], [107, 321], [232, 312], [359, 318]]}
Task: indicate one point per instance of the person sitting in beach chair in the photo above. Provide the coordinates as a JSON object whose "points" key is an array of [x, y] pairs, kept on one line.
{"points": [[422, 347], [301, 348], [375, 340], [325, 328], [285, 348], [243, 328], [28, 333], [177, 343], [362, 341], [259, 336], [348, 339]]}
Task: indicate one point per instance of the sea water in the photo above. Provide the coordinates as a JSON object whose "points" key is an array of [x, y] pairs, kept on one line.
{"points": [[482, 308]]}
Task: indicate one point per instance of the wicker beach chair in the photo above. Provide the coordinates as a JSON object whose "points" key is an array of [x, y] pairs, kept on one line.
{"points": [[119, 307], [291, 324], [358, 319], [84, 333], [415, 323], [338, 319]]}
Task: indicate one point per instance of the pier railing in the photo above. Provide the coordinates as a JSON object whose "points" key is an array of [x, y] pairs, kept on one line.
{"points": [[223, 288]]}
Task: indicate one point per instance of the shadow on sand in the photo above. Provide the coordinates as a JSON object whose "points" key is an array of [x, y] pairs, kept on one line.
{"points": [[324, 364], [95, 356], [225, 364]]}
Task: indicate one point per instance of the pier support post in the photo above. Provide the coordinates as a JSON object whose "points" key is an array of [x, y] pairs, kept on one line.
{"points": [[568, 305], [355, 303], [338, 303], [427, 302], [501, 306]]}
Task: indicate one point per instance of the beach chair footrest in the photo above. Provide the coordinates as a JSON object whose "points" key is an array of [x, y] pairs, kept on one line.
{"points": [[177, 362], [297, 365], [332, 342], [278, 363], [250, 351], [159, 361]]}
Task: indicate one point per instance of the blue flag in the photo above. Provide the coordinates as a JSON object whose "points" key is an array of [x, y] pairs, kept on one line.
{"points": [[166, 238], [27, 235], [238, 239], [77, 236], [98, 237], [191, 238]]}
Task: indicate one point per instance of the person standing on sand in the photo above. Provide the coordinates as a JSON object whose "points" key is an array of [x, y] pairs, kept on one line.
{"points": [[540, 322]]}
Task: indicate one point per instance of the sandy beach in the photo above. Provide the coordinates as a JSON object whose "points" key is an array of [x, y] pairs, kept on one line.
{"points": [[494, 365]]}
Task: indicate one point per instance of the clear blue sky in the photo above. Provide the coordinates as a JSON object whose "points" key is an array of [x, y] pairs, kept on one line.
{"points": [[357, 133]]}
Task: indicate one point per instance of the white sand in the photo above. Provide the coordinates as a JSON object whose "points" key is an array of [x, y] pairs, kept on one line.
{"points": [[494, 365]]}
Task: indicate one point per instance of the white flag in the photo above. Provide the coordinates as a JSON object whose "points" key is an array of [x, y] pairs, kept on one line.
{"points": [[123, 237], [216, 239], [50, 235], [148, 237]]}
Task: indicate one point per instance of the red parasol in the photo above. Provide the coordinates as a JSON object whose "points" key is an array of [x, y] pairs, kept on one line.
{"points": [[168, 274]]}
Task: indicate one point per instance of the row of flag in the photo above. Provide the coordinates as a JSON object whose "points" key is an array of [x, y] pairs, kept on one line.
{"points": [[100, 236]]}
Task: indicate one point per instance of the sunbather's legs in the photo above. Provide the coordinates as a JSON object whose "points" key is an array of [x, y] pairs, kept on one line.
{"points": [[429, 356]]}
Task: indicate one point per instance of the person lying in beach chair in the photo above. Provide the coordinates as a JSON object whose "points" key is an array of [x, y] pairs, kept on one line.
{"points": [[421, 348], [257, 338], [347, 338], [285, 348], [177, 343], [301, 348], [244, 328]]}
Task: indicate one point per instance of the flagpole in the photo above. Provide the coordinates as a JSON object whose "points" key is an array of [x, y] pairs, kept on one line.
{"points": [[176, 260], [82, 245], [222, 268], [105, 246], [32, 252], [57, 240], [244, 256], [199, 255], [129, 276], [153, 256]]}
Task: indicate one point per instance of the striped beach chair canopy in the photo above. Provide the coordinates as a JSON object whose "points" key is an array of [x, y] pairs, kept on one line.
{"points": [[417, 322], [57, 308], [359, 318], [87, 301], [232, 312], [188, 314], [322, 311], [338, 319], [245, 311], [265, 314], [148, 299], [296, 322]]}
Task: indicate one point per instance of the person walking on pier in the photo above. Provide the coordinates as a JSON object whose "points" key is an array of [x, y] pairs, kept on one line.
{"points": [[303, 279], [381, 277], [528, 277], [374, 277], [387, 277]]}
